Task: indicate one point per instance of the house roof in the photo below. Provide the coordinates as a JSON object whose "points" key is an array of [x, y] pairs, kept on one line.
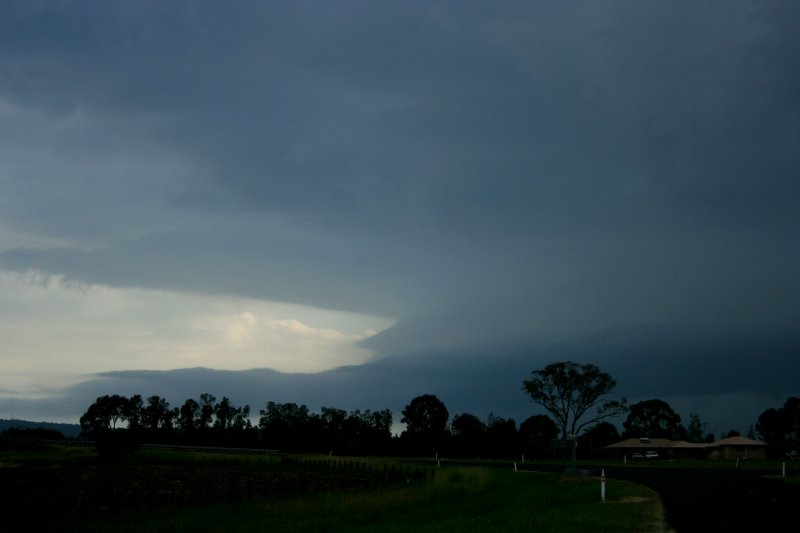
{"points": [[639, 443], [683, 444], [666, 443], [738, 441]]}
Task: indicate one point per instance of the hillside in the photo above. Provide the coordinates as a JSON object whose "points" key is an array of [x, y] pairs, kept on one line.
{"points": [[68, 430]]}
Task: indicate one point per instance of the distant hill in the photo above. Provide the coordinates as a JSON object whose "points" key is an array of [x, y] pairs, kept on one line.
{"points": [[68, 430]]}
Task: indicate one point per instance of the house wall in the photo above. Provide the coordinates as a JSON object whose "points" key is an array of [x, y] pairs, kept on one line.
{"points": [[742, 452]]}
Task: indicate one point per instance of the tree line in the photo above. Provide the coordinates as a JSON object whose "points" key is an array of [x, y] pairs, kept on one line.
{"points": [[208, 422], [117, 420], [575, 395]]}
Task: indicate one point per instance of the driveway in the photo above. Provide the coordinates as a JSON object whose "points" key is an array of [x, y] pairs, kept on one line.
{"points": [[719, 500]]}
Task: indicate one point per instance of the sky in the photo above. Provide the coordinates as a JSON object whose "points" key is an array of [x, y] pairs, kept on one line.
{"points": [[353, 203]]}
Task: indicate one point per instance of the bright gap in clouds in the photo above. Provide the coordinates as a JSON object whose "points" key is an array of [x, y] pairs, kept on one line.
{"points": [[55, 332]]}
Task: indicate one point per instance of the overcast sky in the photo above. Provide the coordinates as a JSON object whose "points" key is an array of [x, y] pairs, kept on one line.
{"points": [[455, 193]]}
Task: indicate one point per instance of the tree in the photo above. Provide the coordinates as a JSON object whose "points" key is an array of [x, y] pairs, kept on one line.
{"points": [[780, 428], [569, 390], [376, 429], [467, 425], [286, 426], [241, 419], [189, 416], [133, 412], [655, 419], [502, 436], [538, 430], [426, 422], [224, 414], [333, 427], [536, 433], [695, 432], [361, 432], [100, 422], [207, 408], [157, 413], [380, 422], [468, 435], [104, 414], [598, 436]]}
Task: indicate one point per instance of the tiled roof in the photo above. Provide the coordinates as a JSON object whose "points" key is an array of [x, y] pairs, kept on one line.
{"points": [[739, 441], [684, 444], [666, 443], [638, 443]]}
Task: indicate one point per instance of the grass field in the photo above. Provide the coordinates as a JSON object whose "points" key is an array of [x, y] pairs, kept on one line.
{"points": [[199, 491], [455, 499], [180, 490]]}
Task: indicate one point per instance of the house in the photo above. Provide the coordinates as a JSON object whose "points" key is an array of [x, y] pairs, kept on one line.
{"points": [[729, 448], [691, 450], [738, 448], [629, 447]]}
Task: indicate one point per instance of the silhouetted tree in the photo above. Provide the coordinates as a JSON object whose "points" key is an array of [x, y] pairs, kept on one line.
{"points": [[780, 428], [569, 390], [536, 433], [286, 426], [333, 428], [655, 419], [241, 419], [189, 416], [133, 411], [695, 432], [597, 437], [207, 407], [224, 414], [502, 436], [468, 436], [157, 413], [426, 424], [374, 431], [100, 421], [103, 414]]}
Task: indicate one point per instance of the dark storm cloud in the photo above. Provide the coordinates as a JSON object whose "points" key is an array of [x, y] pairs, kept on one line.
{"points": [[480, 171], [650, 362]]}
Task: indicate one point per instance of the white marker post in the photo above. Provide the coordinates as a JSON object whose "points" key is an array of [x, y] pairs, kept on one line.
{"points": [[603, 484], [515, 466], [784, 469]]}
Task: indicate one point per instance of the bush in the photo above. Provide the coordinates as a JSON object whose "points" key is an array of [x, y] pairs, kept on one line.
{"points": [[114, 445]]}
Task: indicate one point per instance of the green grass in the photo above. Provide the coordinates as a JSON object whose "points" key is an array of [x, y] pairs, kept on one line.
{"points": [[457, 498]]}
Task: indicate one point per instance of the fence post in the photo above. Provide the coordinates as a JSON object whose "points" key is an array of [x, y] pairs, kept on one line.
{"points": [[603, 484]]}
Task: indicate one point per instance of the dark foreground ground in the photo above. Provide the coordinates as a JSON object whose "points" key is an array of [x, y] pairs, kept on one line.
{"points": [[58, 496], [720, 500], [37, 496]]}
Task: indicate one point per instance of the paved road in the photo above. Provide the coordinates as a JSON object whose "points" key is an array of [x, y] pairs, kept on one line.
{"points": [[720, 500]]}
